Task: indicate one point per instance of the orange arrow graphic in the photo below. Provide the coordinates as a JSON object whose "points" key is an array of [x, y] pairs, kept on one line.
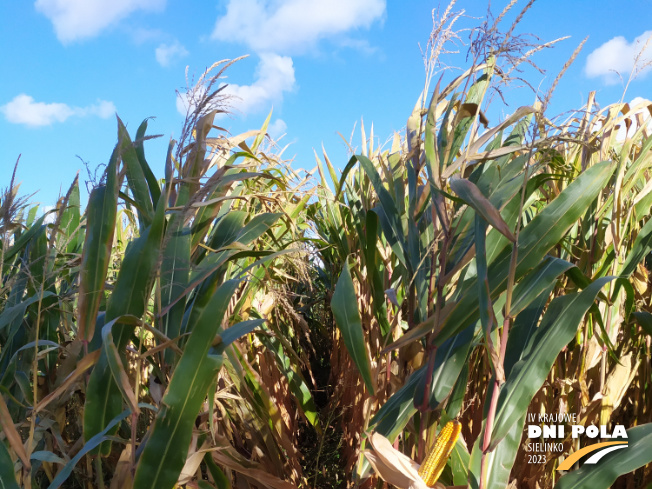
{"points": [[570, 461]]}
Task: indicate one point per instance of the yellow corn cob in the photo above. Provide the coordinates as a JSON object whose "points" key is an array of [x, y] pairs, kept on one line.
{"points": [[436, 460]]}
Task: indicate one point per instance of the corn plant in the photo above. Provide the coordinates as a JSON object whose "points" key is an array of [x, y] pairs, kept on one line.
{"points": [[123, 352], [235, 324], [486, 275]]}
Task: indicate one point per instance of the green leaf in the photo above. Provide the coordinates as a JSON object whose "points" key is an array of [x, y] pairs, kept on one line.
{"points": [[220, 479], [535, 240], [344, 305], [120, 376], [644, 319], [557, 328], [390, 220], [538, 280], [129, 297], [207, 214], [227, 229], [640, 249], [90, 444], [70, 219], [525, 325], [604, 474], [175, 272], [101, 216], [450, 358], [45, 456], [135, 177], [38, 249], [213, 261], [499, 461], [167, 447], [487, 317], [10, 314], [23, 239], [372, 264], [7, 476], [154, 189], [261, 135], [296, 382], [257, 226], [473, 197], [392, 417], [236, 331], [459, 463], [268, 419], [456, 399]]}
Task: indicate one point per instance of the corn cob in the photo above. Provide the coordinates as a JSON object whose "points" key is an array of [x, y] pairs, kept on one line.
{"points": [[436, 460]]}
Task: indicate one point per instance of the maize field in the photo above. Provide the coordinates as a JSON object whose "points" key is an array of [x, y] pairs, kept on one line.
{"points": [[238, 323]]}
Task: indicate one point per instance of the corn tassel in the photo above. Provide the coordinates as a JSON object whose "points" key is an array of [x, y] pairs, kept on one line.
{"points": [[436, 460]]}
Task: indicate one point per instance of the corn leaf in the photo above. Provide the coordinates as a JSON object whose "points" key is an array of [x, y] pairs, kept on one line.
{"points": [[345, 310], [557, 328], [152, 183], [499, 461], [100, 225], [641, 248], [450, 358], [472, 195], [22, 240], [604, 474], [295, 379], [89, 446], [165, 452], [539, 236], [12, 313], [7, 476], [135, 177], [129, 297]]}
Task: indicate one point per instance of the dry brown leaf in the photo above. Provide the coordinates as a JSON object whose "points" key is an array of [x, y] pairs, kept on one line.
{"points": [[12, 434], [87, 362], [619, 379], [193, 461], [122, 474], [250, 470]]}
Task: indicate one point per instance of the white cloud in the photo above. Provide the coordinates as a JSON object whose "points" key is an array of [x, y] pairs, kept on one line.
{"points": [[618, 55], [166, 54], [24, 110], [277, 128], [274, 77], [293, 26], [361, 45], [81, 19], [141, 35], [276, 29], [102, 109]]}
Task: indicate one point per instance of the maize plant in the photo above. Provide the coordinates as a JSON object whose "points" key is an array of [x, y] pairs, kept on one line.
{"points": [[482, 273], [124, 358], [401, 316]]}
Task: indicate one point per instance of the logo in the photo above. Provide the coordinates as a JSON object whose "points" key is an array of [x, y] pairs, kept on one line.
{"points": [[552, 429], [601, 448]]}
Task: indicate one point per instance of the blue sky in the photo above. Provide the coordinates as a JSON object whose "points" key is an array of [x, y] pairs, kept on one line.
{"points": [[70, 65]]}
